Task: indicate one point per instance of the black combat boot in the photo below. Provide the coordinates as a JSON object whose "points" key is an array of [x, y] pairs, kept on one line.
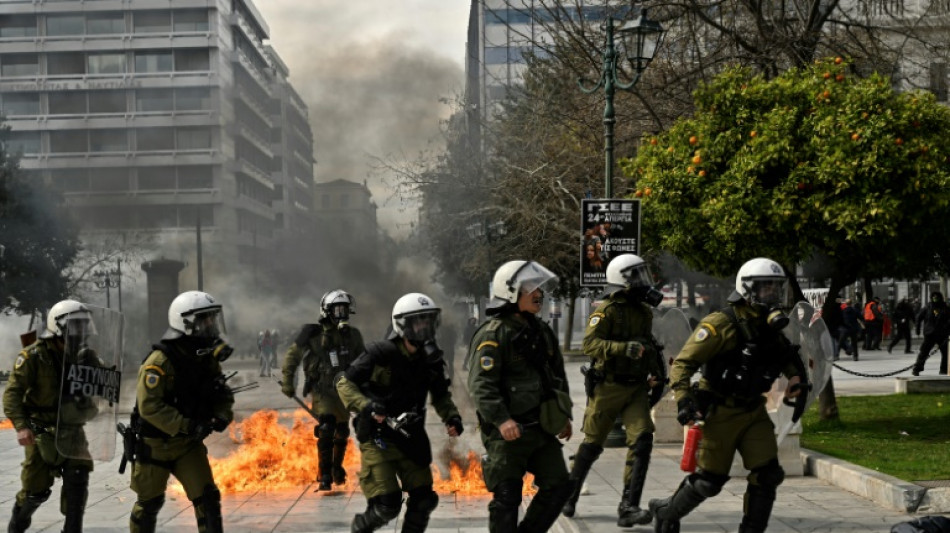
{"points": [[339, 453], [23, 514], [587, 454], [544, 508], [692, 491], [324, 463], [629, 512], [757, 508]]}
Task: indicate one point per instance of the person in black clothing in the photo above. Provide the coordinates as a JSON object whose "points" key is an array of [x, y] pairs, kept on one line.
{"points": [[936, 320], [903, 319], [850, 329]]}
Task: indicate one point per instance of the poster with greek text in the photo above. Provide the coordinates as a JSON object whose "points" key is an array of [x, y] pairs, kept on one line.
{"points": [[608, 228]]}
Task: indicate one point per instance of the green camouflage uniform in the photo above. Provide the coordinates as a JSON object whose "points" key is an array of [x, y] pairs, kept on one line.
{"points": [[31, 401], [171, 401], [505, 382], [325, 352]]}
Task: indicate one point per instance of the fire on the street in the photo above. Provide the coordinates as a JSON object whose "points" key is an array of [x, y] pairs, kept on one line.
{"points": [[272, 456], [6, 423]]}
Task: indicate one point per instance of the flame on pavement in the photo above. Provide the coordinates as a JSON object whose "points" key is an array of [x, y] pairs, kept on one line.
{"points": [[273, 456], [6, 423]]}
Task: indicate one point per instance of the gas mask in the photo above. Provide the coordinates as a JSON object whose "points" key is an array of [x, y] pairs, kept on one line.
{"points": [[647, 295], [420, 332]]}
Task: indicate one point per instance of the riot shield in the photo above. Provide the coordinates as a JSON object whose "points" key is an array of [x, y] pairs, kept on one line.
{"points": [[92, 365], [671, 330], [807, 330]]}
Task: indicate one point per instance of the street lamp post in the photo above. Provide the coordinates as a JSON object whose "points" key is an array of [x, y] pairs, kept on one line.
{"points": [[110, 279], [490, 232], [643, 37]]}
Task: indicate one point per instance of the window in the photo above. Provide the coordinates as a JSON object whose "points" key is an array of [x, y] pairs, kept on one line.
{"points": [[157, 216], [105, 63], [105, 24], [153, 61], [68, 141], [26, 142], [70, 179], [19, 65], [495, 55], [195, 177], [193, 99], [21, 104], [107, 102], [67, 103], [57, 25], [155, 139], [193, 138], [191, 20], [192, 60], [17, 26], [108, 141], [152, 22], [148, 100], [65, 64], [156, 178], [109, 179]]}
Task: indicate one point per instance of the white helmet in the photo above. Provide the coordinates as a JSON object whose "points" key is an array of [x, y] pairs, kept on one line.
{"points": [[762, 281], [68, 317], [628, 271], [516, 277], [337, 305], [197, 314], [416, 318]]}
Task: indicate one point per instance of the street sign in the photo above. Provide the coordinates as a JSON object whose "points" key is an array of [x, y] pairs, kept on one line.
{"points": [[608, 228]]}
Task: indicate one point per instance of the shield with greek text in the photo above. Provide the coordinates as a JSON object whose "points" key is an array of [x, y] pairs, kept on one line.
{"points": [[91, 373]]}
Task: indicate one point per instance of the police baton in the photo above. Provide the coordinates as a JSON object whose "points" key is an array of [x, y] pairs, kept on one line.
{"points": [[301, 403]]}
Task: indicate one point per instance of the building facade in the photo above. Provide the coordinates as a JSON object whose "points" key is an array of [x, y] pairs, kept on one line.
{"points": [[158, 117]]}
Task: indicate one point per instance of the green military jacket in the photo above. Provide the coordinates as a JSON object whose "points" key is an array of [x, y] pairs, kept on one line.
{"points": [[317, 347], [156, 386], [717, 334], [617, 321], [502, 381], [33, 390]]}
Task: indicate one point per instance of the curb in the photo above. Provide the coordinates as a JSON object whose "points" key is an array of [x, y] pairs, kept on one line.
{"points": [[887, 491]]}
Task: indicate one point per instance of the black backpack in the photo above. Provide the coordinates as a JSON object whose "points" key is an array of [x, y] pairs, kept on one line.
{"points": [[924, 524]]}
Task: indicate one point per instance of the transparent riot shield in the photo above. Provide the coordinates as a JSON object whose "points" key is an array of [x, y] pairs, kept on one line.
{"points": [[807, 330], [671, 330], [92, 365]]}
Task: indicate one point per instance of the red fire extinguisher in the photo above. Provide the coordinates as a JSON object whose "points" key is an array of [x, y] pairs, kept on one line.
{"points": [[691, 447]]}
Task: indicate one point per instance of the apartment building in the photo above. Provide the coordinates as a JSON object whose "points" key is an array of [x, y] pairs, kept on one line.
{"points": [[149, 116]]}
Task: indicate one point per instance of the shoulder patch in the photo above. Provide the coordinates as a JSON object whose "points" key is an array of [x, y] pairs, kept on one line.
{"points": [[20, 360], [487, 362], [152, 379], [491, 344], [594, 320], [704, 332]]}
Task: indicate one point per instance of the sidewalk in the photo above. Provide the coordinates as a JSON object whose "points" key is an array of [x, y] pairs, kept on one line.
{"points": [[805, 504]]}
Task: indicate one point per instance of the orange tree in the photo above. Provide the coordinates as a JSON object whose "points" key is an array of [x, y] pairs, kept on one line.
{"points": [[814, 162]]}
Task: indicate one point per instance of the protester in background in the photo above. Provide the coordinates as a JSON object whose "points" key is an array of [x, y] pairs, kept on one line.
{"points": [[265, 346], [32, 400], [874, 324], [935, 318], [326, 349], [904, 319], [514, 366]]}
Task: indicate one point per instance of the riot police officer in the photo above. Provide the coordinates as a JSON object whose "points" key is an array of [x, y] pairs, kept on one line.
{"points": [[740, 351], [388, 385], [326, 349], [935, 317], [31, 401], [517, 381], [181, 397], [625, 368]]}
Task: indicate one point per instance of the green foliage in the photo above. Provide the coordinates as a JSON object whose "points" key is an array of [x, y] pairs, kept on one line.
{"points": [[902, 435], [40, 243], [813, 161]]}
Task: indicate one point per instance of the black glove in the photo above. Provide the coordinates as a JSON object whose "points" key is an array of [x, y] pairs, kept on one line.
{"points": [[219, 424], [198, 430], [375, 408], [455, 422], [686, 411]]}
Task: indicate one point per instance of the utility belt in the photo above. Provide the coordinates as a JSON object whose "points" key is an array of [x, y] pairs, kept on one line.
{"points": [[38, 428]]}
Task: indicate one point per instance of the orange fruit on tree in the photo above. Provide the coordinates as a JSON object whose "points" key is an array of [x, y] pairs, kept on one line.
{"points": [[697, 160], [647, 191], [638, 194], [653, 141], [855, 136], [838, 60], [899, 141], [693, 140], [839, 77], [826, 75], [702, 173], [753, 133]]}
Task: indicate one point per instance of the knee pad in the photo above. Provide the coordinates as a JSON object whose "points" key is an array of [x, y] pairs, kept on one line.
{"points": [[707, 485], [38, 498], [422, 499], [769, 475], [151, 507], [326, 428], [387, 506], [508, 493], [643, 446]]}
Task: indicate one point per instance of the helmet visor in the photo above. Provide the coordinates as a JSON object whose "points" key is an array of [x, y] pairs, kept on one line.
{"points": [[532, 276], [638, 276], [207, 323], [340, 311], [772, 292], [421, 327]]}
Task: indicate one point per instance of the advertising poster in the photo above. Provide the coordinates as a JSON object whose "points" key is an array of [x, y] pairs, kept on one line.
{"points": [[608, 228]]}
